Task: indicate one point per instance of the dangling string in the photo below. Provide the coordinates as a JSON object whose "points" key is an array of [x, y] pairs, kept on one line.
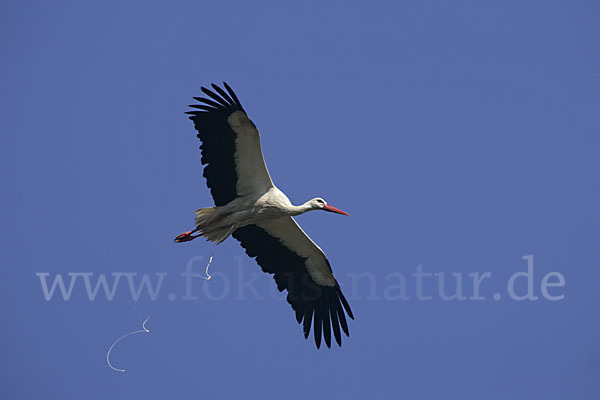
{"points": [[207, 277], [144, 329]]}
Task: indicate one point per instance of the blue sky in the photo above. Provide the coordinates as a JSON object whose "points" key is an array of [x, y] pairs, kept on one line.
{"points": [[461, 136]]}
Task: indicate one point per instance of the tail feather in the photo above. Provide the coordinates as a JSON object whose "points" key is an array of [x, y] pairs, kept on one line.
{"points": [[208, 226], [204, 216]]}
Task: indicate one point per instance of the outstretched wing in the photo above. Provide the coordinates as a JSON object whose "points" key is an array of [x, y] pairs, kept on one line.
{"points": [[282, 248], [230, 146]]}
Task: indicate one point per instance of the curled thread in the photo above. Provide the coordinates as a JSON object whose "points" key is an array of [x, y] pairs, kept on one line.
{"points": [[144, 329], [208, 276], [225, 236]]}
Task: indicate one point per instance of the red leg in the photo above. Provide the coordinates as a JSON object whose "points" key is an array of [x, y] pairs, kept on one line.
{"points": [[186, 236]]}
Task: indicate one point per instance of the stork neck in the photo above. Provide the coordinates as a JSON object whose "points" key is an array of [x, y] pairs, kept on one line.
{"points": [[301, 209]]}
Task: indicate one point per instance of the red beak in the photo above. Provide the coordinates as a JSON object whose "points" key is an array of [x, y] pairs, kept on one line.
{"points": [[329, 208]]}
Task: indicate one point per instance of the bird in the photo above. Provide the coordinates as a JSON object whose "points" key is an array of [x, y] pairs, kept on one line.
{"points": [[251, 209]]}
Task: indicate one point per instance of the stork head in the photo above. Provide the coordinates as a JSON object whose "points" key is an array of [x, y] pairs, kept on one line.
{"points": [[319, 204]]}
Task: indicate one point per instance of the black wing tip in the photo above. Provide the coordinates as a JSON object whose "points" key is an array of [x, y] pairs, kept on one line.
{"points": [[307, 322], [299, 316], [329, 316], [335, 323], [219, 99], [344, 302], [223, 93], [232, 94], [201, 106], [326, 322]]}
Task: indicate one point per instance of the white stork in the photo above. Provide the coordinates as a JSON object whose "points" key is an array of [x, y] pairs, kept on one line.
{"points": [[251, 209]]}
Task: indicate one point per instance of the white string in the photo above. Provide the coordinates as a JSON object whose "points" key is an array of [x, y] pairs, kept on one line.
{"points": [[208, 276], [144, 329]]}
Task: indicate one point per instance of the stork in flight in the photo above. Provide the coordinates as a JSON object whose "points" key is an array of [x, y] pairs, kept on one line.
{"points": [[249, 207]]}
